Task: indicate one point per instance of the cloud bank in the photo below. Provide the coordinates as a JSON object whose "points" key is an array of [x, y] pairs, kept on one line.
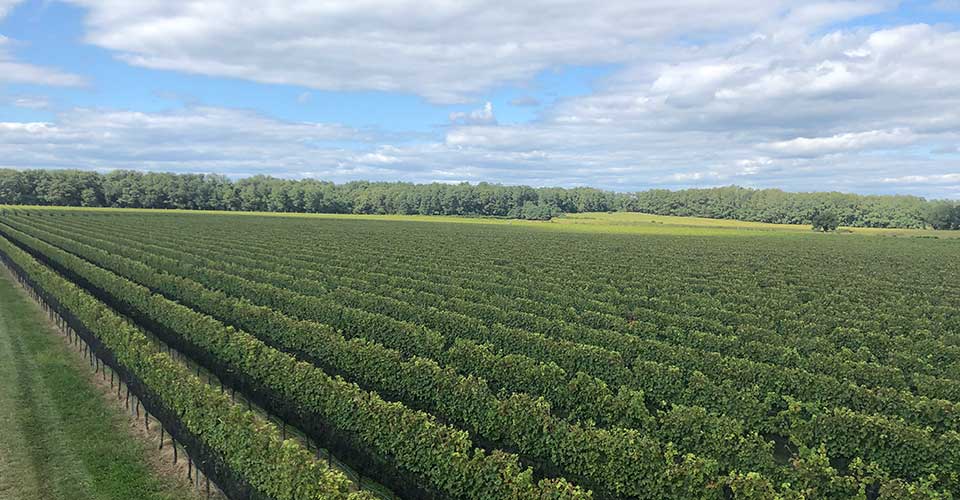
{"points": [[765, 94]]}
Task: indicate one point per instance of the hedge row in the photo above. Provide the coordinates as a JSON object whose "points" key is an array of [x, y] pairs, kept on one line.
{"points": [[443, 458], [251, 447]]}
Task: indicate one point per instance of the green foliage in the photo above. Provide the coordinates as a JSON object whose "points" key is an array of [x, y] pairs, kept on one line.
{"points": [[250, 446], [776, 206], [133, 189], [536, 211], [944, 215], [440, 454], [825, 220]]}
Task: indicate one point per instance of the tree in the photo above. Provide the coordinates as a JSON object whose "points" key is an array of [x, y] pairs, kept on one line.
{"points": [[534, 211], [944, 215], [825, 220]]}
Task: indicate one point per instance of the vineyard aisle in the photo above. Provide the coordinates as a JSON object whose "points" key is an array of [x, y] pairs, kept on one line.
{"points": [[59, 437]]}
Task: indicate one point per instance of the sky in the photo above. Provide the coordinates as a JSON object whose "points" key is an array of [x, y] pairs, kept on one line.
{"points": [[855, 96]]}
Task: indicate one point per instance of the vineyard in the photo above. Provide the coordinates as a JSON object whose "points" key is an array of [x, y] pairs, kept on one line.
{"points": [[499, 361]]}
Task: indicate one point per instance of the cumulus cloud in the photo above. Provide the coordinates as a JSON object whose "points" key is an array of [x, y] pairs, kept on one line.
{"points": [[482, 116], [194, 139], [236, 142], [855, 141], [445, 51], [843, 110], [924, 179], [808, 114], [12, 71], [842, 81]]}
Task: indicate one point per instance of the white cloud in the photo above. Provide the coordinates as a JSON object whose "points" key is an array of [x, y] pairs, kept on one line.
{"points": [[447, 51], [855, 141], [842, 110], [924, 179], [235, 142], [304, 97], [378, 157], [482, 116], [194, 139], [30, 102], [12, 71], [31, 128]]}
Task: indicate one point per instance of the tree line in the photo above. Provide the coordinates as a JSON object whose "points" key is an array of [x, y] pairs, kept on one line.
{"points": [[135, 189], [774, 205]]}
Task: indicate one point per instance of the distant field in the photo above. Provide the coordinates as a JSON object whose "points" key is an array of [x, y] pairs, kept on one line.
{"points": [[630, 355], [603, 222], [640, 223]]}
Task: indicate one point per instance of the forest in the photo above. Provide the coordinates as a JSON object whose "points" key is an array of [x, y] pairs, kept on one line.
{"points": [[135, 189]]}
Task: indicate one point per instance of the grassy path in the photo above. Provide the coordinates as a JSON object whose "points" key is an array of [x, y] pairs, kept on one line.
{"points": [[59, 438]]}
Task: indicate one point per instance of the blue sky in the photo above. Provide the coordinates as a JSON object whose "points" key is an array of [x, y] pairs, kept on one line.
{"points": [[857, 96]]}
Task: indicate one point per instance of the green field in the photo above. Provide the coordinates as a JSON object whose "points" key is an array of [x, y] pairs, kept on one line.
{"points": [[613, 355], [599, 222]]}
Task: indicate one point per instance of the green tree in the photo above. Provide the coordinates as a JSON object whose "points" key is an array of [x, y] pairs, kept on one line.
{"points": [[535, 211], [944, 215], [825, 220]]}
